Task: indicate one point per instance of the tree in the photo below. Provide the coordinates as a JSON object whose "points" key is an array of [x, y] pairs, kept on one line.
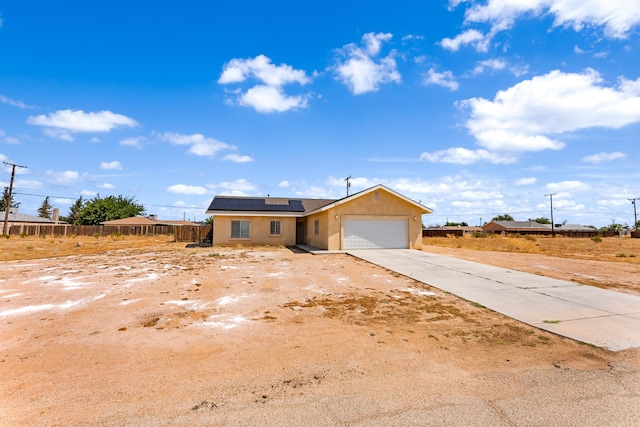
{"points": [[542, 220], [74, 211], [456, 224], [44, 211], [98, 209], [5, 198], [209, 220], [505, 217]]}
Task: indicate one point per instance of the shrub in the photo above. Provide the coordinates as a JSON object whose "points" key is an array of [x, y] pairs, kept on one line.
{"points": [[6, 236], [530, 238], [596, 239], [479, 234]]}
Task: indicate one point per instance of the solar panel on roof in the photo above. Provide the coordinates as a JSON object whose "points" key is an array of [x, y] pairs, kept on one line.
{"points": [[254, 204]]}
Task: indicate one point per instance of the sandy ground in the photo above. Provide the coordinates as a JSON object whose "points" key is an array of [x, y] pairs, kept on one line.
{"points": [[269, 336]]}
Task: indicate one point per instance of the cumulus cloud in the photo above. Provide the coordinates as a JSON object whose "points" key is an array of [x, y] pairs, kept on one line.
{"points": [[465, 156], [8, 139], [532, 114], [9, 101], [444, 79], [107, 186], [200, 145], [358, 69], [187, 189], [283, 184], [495, 64], [268, 95], [61, 124], [564, 186], [237, 158], [237, 185], [115, 165], [133, 141], [472, 37], [616, 17], [526, 181], [65, 177], [603, 157]]}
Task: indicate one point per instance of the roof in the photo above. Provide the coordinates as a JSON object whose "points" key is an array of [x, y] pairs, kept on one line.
{"points": [[20, 217], [532, 225], [265, 205], [142, 220], [256, 206]]}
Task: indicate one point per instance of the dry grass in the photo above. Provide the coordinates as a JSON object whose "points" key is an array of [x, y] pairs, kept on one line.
{"points": [[622, 249], [33, 247]]}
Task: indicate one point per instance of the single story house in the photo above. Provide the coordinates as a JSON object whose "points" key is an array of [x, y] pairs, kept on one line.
{"points": [[450, 230], [16, 218], [137, 221], [532, 227], [377, 217]]}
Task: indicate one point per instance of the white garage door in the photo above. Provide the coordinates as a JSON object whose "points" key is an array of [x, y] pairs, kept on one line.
{"points": [[375, 234]]}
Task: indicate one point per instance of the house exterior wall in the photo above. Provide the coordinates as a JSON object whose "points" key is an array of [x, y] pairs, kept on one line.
{"points": [[378, 204], [319, 240], [492, 227], [259, 231]]}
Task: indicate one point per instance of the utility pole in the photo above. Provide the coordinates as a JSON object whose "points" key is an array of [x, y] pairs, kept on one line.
{"points": [[553, 230], [347, 179], [8, 206], [635, 217]]}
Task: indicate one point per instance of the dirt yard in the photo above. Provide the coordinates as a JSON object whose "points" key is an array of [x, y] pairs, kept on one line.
{"points": [[167, 335]]}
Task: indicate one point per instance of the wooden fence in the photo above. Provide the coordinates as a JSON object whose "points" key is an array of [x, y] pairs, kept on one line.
{"points": [[184, 233]]}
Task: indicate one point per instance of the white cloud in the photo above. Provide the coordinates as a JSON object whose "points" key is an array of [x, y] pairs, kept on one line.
{"points": [[603, 157], [187, 189], [65, 177], [526, 181], [565, 186], [107, 186], [237, 185], [472, 37], [616, 17], [62, 123], [268, 95], [115, 165], [237, 158], [88, 193], [527, 116], [8, 139], [284, 184], [133, 141], [269, 99], [95, 139], [465, 156], [444, 79], [360, 72], [9, 101], [200, 144], [495, 64]]}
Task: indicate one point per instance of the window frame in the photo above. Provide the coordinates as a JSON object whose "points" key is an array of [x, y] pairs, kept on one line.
{"points": [[316, 227], [241, 235], [278, 225]]}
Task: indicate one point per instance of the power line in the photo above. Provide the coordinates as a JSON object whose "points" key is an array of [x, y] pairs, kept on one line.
{"points": [[7, 208], [146, 204]]}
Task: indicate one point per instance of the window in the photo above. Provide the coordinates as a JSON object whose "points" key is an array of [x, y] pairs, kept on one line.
{"points": [[274, 228], [316, 227], [375, 195], [240, 229]]}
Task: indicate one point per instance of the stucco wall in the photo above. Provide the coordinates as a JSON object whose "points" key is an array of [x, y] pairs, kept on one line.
{"points": [[259, 231], [367, 206], [319, 240]]}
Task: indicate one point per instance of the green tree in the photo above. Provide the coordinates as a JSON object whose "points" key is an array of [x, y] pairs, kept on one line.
{"points": [[505, 217], [542, 220], [5, 198], [45, 209], [209, 220], [98, 209], [456, 224], [74, 211]]}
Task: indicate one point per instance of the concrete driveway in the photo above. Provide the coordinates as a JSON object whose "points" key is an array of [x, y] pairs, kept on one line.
{"points": [[592, 315]]}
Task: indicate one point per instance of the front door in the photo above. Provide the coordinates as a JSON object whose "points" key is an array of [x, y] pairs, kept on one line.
{"points": [[301, 231]]}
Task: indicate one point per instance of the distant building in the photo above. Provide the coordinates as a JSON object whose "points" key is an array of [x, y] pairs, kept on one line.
{"points": [[135, 221], [17, 218], [532, 227]]}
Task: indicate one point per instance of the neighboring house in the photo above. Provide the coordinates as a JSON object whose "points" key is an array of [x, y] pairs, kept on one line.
{"points": [[450, 230], [532, 227], [136, 221], [16, 218], [374, 218]]}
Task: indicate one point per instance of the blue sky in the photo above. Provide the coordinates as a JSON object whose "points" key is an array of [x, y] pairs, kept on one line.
{"points": [[474, 108]]}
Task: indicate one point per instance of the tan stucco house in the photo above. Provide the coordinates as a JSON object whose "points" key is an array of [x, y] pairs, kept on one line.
{"points": [[374, 218]]}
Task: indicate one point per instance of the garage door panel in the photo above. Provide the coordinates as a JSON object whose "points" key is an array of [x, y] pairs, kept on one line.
{"points": [[375, 234]]}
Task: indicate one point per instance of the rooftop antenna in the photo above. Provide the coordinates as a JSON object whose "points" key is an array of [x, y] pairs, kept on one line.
{"points": [[7, 208], [348, 179]]}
